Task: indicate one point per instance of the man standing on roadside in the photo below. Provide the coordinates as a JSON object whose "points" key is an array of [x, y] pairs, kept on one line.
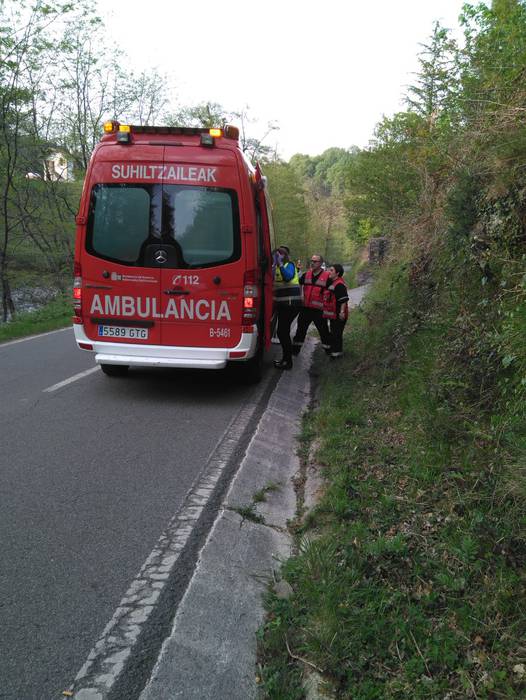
{"points": [[287, 301], [314, 282]]}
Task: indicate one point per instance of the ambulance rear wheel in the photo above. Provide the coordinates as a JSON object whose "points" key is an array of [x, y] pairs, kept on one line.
{"points": [[115, 370]]}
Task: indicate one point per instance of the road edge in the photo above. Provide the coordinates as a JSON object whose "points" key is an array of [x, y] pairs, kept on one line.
{"points": [[116, 664], [211, 651]]}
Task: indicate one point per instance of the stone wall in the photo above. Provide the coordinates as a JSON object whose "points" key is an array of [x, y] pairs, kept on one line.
{"points": [[378, 250]]}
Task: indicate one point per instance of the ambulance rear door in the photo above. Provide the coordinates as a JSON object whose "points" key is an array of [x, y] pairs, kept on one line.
{"points": [[121, 294], [266, 234], [202, 283]]}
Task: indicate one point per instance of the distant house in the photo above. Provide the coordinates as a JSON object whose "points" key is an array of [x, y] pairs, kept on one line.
{"points": [[58, 167]]}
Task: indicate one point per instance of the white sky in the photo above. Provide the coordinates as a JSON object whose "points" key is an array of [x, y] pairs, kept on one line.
{"points": [[325, 71]]}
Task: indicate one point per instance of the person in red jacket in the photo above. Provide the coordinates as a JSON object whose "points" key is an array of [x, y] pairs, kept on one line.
{"points": [[314, 281], [336, 309]]}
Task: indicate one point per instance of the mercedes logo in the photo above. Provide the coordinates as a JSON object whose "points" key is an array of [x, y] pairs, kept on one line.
{"points": [[160, 256]]}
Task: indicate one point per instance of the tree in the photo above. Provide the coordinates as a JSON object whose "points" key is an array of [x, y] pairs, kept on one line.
{"points": [[323, 181], [59, 80], [204, 114], [24, 48], [94, 87], [492, 79], [212, 114], [290, 213], [436, 87], [254, 147]]}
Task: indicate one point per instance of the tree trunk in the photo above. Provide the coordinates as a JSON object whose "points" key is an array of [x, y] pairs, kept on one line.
{"points": [[8, 306]]}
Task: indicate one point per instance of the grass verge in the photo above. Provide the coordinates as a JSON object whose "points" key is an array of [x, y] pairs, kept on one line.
{"points": [[56, 314], [409, 579]]}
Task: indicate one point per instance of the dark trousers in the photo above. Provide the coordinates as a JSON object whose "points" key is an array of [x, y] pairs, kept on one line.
{"points": [[336, 327], [285, 315], [306, 317]]}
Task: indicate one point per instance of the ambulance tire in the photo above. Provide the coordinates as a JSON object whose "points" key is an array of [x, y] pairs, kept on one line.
{"points": [[115, 370]]}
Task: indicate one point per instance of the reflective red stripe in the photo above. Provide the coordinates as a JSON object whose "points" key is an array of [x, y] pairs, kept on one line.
{"points": [[313, 290], [330, 306]]}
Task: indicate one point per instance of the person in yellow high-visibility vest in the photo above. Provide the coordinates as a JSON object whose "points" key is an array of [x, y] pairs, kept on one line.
{"points": [[287, 301]]}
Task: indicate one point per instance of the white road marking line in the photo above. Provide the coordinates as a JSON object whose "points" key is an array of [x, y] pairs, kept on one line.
{"points": [[32, 337], [72, 379]]}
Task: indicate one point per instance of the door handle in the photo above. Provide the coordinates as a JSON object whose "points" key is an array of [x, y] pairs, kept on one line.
{"points": [[176, 291]]}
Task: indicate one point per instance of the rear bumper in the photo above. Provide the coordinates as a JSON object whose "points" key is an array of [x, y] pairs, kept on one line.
{"points": [[107, 353]]}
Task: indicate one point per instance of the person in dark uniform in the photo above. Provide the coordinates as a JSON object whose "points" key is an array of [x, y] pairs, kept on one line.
{"points": [[314, 281], [336, 309], [287, 301]]}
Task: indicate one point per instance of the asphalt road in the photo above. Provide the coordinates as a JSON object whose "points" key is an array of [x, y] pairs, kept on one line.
{"points": [[90, 474]]}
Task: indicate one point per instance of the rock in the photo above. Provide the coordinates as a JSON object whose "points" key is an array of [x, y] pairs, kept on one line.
{"points": [[283, 590]]}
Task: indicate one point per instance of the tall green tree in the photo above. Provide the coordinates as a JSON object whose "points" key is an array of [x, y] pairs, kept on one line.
{"points": [[289, 210], [60, 78], [94, 86], [434, 93], [24, 49]]}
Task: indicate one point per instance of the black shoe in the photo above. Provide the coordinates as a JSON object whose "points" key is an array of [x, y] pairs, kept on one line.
{"points": [[283, 364]]}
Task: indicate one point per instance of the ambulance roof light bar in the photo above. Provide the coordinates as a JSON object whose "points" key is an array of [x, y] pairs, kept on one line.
{"points": [[123, 131]]}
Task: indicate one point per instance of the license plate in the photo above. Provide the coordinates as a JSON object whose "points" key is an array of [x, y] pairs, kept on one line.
{"points": [[123, 332]]}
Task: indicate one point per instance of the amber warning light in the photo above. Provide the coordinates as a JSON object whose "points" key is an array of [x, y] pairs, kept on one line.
{"points": [[110, 126]]}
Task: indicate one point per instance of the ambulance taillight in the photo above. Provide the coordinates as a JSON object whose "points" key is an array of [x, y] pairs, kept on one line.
{"points": [[250, 298], [77, 294]]}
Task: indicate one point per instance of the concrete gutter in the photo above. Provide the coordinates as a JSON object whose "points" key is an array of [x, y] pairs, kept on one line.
{"points": [[211, 651]]}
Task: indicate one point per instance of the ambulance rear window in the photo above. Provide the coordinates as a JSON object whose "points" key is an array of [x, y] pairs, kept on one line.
{"points": [[201, 223], [120, 221]]}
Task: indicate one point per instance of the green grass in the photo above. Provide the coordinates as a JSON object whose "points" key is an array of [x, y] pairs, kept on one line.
{"points": [[261, 495], [248, 512], [56, 314], [410, 573]]}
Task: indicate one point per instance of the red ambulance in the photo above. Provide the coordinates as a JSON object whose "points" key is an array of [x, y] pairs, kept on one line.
{"points": [[173, 252]]}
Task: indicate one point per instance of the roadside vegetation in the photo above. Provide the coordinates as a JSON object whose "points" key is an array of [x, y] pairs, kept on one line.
{"points": [[60, 78], [51, 316], [410, 573]]}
